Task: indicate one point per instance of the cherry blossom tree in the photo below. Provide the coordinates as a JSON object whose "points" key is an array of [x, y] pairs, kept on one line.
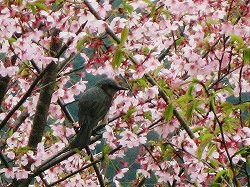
{"points": [[183, 62]]}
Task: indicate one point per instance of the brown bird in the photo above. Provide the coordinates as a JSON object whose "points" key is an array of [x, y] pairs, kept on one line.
{"points": [[93, 107]]}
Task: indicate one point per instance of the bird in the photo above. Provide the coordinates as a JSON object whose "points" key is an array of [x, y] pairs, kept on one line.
{"points": [[93, 106]]}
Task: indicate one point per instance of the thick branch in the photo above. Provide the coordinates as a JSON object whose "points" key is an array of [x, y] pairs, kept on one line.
{"points": [[40, 118]]}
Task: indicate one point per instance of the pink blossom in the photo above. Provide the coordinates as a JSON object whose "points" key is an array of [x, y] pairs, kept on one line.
{"points": [[13, 140], [129, 139], [76, 181], [10, 154], [22, 174], [120, 173], [145, 173], [108, 134], [164, 177], [9, 172], [104, 8], [7, 71]]}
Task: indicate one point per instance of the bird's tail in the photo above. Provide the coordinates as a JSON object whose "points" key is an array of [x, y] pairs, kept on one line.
{"points": [[82, 138]]}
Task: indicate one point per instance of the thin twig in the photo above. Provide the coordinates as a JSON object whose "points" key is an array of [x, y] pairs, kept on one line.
{"points": [[97, 171]]}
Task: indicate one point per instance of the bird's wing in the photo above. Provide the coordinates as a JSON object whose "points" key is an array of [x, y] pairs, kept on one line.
{"points": [[85, 107], [83, 135], [94, 104]]}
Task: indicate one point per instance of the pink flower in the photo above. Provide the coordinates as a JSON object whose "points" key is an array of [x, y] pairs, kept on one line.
{"points": [[7, 71], [9, 172], [22, 174], [13, 140], [120, 173], [76, 181], [109, 134], [145, 173], [130, 140], [104, 8]]}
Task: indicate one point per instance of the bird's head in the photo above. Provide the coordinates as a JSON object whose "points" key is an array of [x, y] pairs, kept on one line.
{"points": [[109, 86]]}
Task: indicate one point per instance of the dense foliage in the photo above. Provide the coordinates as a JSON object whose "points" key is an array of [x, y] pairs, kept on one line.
{"points": [[181, 60]]}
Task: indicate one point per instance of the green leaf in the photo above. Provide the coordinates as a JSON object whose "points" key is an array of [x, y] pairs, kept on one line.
{"points": [[200, 149], [153, 10], [11, 40], [80, 43], [145, 50], [205, 140], [190, 90], [11, 131], [184, 98], [219, 174], [215, 184], [206, 137], [197, 129], [126, 6], [211, 150], [31, 7], [130, 111], [40, 5], [244, 151], [24, 149], [168, 113], [117, 59], [105, 150], [212, 21], [236, 38], [246, 56], [179, 41], [212, 103], [229, 90], [190, 108], [148, 115], [124, 35]]}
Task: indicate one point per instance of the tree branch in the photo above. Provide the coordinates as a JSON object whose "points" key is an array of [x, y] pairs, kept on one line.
{"points": [[97, 171], [42, 109]]}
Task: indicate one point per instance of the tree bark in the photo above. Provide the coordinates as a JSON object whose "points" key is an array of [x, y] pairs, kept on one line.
{"points": [[40, 118], [4, 82]]}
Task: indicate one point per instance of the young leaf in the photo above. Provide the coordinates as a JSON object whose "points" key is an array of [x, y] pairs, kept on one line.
{"points": [[41, 6], [190, 108], [117, 59], [184, 98], [190, 90], [246, 55], [168, 113], [206, 137], [124, 35], [80, 43], [201, 148], [236, 38], [219, 174], [11, 40]]}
